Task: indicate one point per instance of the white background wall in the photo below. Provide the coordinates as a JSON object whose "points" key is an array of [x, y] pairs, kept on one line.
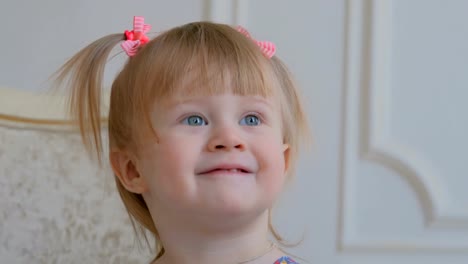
{"points": [[385, 86]]}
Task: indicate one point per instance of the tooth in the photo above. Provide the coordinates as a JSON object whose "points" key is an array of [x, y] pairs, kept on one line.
{"points": [[233, 170]]}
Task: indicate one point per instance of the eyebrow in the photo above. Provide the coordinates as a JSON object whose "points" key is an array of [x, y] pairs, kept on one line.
{"points": [[257, 100], [262, 101]]}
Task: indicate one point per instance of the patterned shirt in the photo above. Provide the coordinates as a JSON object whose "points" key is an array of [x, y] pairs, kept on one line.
{"points": [[285, 260]]}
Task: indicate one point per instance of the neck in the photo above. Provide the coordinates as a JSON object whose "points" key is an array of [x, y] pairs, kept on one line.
{"points": [[247, 244]]}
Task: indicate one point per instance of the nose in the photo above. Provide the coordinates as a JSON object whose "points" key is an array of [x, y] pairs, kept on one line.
{"points": [[226, 139]]}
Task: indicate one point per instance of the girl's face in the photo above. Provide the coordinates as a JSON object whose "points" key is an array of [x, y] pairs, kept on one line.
{"points": [[220, 155]]}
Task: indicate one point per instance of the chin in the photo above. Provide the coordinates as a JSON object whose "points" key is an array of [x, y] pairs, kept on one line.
{"points": [[236, 208], [231, 218]]}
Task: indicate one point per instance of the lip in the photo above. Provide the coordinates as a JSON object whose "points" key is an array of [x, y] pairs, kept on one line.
{"points": [[230, 168]]}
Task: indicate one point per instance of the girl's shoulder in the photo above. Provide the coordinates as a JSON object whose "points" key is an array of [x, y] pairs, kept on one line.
{"points": [[285, 260]]}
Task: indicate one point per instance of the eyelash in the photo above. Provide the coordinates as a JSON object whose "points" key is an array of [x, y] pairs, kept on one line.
{"points": [[186, 119]]}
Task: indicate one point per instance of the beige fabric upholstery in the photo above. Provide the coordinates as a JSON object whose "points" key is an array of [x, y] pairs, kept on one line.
{"points": [[56, 205]]}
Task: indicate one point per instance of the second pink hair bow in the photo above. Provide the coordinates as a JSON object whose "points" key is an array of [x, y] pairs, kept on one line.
{"points": [[268, 48], [136, 38]]}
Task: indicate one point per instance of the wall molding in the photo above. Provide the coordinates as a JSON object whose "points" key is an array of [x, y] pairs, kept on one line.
{"points": [[367, 83], [232, 12], [21, 109]]}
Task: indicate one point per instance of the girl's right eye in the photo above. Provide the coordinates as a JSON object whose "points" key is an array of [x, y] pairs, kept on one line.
{"points": [[194, 120]]}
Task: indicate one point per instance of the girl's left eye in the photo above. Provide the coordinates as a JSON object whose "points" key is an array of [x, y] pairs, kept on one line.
{"points": [[250, 120]]}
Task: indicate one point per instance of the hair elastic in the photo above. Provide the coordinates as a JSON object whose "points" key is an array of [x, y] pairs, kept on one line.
{"points": [[268, 48], [136, 38]]}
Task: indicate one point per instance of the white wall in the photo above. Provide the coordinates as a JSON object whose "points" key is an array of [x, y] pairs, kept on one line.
{"points": [[38, 36], [385, 85]]}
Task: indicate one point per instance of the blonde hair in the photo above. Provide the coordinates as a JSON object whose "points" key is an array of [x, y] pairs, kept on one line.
{"points": [[196, 58]]}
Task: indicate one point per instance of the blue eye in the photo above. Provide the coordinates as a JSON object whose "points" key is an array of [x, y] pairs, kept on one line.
{"points": [[250, 120], [194, 120]]}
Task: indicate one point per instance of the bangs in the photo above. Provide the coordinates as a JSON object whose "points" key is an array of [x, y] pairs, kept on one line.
{"points": [[200, 59]]}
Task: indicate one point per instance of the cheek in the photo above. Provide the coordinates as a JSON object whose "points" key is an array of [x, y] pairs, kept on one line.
{"points": [[168, 168], [273, 165]]}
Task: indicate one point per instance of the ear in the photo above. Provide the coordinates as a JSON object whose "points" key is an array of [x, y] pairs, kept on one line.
{"points": [[123, 165], [286, 153]]}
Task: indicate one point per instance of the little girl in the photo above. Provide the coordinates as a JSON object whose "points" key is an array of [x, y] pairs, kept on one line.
{"points": [[204, 128]]}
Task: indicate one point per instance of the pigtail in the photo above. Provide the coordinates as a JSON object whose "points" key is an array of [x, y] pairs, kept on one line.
{"points": [[299, 134], [83, 75]]}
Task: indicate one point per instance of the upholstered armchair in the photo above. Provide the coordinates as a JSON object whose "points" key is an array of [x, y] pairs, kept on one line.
{"points": [[56, 204]]}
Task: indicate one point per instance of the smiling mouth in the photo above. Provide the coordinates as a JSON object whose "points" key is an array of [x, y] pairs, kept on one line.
{"points": [[224, 171]]}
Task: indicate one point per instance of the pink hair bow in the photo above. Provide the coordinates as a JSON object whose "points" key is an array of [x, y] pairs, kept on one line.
{"points": [[268, 48], [135, 38]]}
